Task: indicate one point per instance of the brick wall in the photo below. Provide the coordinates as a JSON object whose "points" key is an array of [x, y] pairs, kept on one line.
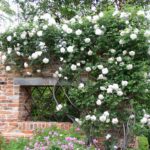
{"points": [[14, 119]]}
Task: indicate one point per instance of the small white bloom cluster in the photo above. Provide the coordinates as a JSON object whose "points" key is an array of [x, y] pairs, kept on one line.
{"points": [[59, 107], [99, 100], [146, 120], [78, 121], [67, 29], [90, 117], [115, 88], [105, 117]]}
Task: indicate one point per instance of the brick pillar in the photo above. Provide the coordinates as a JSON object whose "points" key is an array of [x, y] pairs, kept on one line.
{"points": [[13, 102]]}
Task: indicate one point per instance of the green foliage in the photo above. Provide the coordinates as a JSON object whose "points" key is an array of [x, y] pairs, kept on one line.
{"points": [[110, 48], [53, 139], [143, 143]]}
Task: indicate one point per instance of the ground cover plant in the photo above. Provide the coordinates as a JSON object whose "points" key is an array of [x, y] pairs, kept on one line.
{"points": [[105, 58]]}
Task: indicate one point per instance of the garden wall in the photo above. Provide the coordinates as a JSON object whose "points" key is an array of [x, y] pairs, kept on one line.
{"points": [[14, 119]]}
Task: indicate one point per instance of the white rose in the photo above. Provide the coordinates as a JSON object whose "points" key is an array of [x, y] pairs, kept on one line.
{"points": [[102, 88], [112, 51], [4, 58], [99, 32], [39, 33], [45, 27], [124, 83], [136, 31], [144, 120], [115, 86], [119, 93], [9, 38], [69, 30], [100, 96], [140, 13], [81, 85], [70, 49], [124, 52], [73, 67], [62, 50], [129, 67], [87, 40], [78, 64], [98, 102], [147, 33], [108, 136], [38, 70], [131, 53], [115, 121], [102, 118], [88, 69], [100, 67], [101, 14], [8, 68], [95, 18], [109, 90], [9, 50], [93, 118], [133, 36], [110, 60], [119, 59], [34, 55], [78, 32], [59, 107], [105, 71], [29, 73], [23, 35], [90, 52], [106, 113], [88, 117], [121, 42], [45, 60], [64, 27], [101, 77], [26, 65]]}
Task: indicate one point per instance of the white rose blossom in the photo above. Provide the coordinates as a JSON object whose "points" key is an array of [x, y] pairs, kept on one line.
{"points": [[132, 53], [70, 49], [59, 107], [99, 32], [78, 32], [87, 40], [129, 67], [9, 38], [81, 86], [39, 33], [108, 136], [90, 53], [99, 102], [115, 121], [102, 118], [73, 67], [124, 83], [88, 69], [62, 50], [105, 71], [8, 68], [133, 36], [45, 60]]}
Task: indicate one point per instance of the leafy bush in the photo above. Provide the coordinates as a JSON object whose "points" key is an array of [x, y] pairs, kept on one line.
{"points": [[110, 48]]}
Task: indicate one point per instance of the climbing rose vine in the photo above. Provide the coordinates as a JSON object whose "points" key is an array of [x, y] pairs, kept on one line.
{"points": [[105, 57]]}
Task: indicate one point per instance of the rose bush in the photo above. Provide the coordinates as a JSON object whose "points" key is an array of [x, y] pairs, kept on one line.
{"points": [[105, 56]]}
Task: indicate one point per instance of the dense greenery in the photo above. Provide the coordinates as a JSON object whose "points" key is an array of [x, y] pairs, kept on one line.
{"points": [[105, 57]]}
